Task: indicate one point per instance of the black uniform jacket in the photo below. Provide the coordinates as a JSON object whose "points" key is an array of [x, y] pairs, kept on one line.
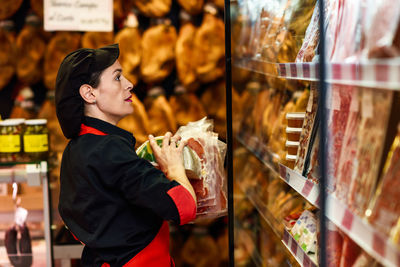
{"points": [[113, 201]]}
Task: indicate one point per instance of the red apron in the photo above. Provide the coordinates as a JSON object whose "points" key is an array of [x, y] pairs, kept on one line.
{"points": [[155, 254]]}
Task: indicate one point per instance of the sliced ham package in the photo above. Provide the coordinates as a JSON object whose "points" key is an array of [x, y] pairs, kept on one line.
{"points": [[204, 164], [385, 207]]}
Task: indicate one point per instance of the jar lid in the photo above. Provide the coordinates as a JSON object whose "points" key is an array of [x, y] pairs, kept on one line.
{"points": [[36, 122], [291, 157], [11, 122]]}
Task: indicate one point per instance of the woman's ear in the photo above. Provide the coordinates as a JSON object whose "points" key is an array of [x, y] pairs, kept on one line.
{"points": [[86, 92]]}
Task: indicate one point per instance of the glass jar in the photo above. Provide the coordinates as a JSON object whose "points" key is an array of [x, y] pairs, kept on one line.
{"points": [[10, 140], [36, 139]]}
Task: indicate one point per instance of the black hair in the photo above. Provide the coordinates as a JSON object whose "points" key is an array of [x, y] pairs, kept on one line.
{"points": [[94, 80]]}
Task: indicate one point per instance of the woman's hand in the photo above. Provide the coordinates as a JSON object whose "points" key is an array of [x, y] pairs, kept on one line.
{"points": [[170, 156], [170, 159]]}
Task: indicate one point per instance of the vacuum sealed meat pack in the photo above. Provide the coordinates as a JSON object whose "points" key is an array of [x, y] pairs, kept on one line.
{"points": [[204, 164]]}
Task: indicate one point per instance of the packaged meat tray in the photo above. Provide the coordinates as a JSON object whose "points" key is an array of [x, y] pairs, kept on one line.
{"points": [[203, 160], [385, 207], [305, 231]]}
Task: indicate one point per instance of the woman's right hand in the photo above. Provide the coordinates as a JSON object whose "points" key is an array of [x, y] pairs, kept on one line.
{"points": [[170, 159], [169, 156]]}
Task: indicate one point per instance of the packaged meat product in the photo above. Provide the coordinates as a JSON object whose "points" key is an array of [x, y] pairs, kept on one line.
{"points": [[153, 8], [347, 164], [350, 252], [248, 100], [382, 15], [60, 45], [305, 231], [193, 7], [9, 7], [311, 38], [292, 148], [31, 47], [385, 206], [158, 52], [186, 106], [7, 52], [185, 54], [334, 245], [371, 138], [332, 25], [129, 39], [159, 112], [24, 106], [339, 106], [138, 122], [271, 114], [293, 134], [263, 101], [350, 39], [308, 125], [295, 119], [311, 165], [395, 233], [203, 161], [209, 43]]}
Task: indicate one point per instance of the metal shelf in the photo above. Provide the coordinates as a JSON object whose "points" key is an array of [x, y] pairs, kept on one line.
{"points": [[298, 253]]}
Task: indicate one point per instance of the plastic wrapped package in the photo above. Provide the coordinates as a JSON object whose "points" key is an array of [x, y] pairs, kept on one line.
{"points": [[334, 241], [203, 162], [350, 252], [339, 106], [385, 207], [305, 231], [308, 125], [347, 164], [312, 167], [371, 137], [138, 122], [382, 28], [248, 100], [333, 10], [349, 42], [159, 112], [129, 39], [311, 38], [269, 115], [158, 52]]}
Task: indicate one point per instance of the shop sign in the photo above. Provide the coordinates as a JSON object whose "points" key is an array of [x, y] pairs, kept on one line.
{"points": [[78, 15]]}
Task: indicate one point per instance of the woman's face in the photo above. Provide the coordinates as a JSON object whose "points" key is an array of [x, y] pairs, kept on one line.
{"points": [[113, 96]]}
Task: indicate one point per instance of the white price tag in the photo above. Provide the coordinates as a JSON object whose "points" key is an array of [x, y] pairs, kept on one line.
{"points": [[79, 15], [367, 104], [20, 216]]}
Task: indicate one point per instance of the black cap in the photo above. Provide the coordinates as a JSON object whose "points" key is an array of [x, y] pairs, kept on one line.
{"points": [[75, 70]]}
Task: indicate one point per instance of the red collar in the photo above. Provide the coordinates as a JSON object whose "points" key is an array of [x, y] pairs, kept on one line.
{"points": [[90, 130]]}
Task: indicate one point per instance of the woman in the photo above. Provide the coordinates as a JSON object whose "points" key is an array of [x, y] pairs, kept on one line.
{"points": [[114, 202]]}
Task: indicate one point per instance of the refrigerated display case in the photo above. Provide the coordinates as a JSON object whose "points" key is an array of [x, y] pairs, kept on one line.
{"points": [[314, 129]]}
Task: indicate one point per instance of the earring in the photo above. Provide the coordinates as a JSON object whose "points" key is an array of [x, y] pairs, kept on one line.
{"points": [[94, 102]]}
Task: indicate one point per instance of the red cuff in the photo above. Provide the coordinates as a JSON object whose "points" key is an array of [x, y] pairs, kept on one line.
{"points": [[184, 203]]}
